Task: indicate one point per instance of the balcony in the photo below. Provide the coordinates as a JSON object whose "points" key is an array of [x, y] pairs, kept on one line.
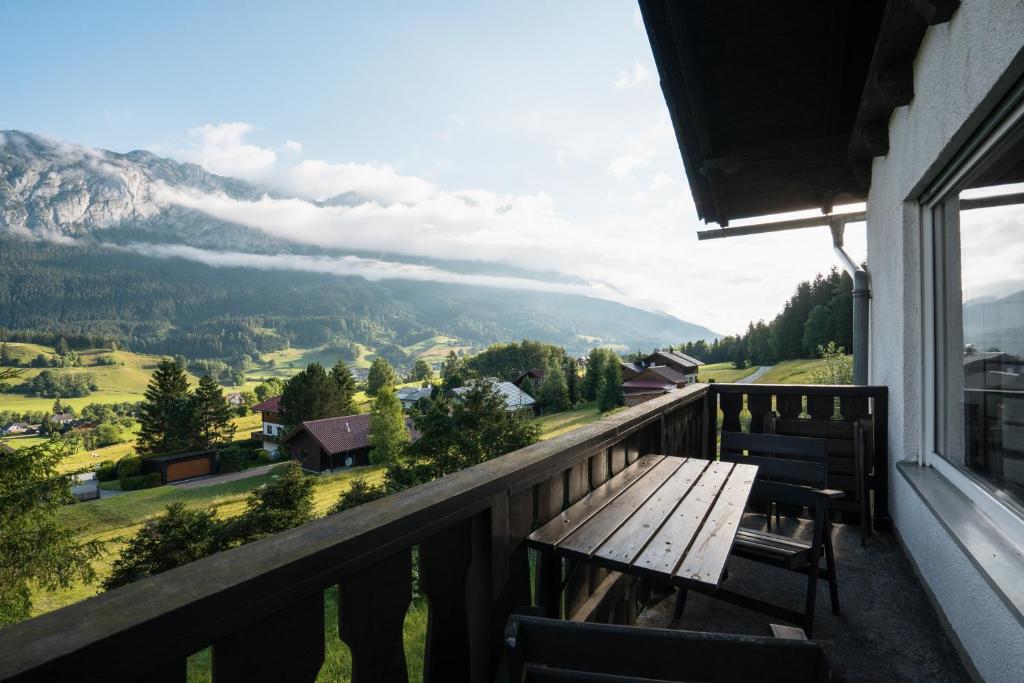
{"points": [[467, 531], [260, 435]]}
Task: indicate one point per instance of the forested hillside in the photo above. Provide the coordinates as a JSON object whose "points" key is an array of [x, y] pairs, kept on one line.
{"points": [[819, 312], [98, 297]]}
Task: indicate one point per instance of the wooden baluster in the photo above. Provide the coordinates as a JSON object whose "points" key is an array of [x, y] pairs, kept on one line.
{"points": [[511, 519], [599, 468], [297, 634], [444, 565], [821, 407], [759, 405], [709, 433], [577, 588], [789, 405], [732, 404], [618, 458], [172, 673], [550, 497], [479, 599], [371, 609]]}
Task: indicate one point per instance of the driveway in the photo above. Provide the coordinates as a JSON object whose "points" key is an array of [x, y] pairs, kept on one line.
{"points": [[223, 478], [750, 379]]}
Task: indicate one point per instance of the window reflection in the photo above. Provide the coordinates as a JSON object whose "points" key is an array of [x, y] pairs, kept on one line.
{"points": [[992, 325]]}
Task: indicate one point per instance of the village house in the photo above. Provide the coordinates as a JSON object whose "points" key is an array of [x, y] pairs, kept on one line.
{"points": [[273, 427], [12, 428], [680, 362], [333, 442], [61, 420], [410, 396], [515, 398], [651, 382]]}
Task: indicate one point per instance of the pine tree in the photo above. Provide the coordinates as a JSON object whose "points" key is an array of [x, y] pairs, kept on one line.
{"points": [[572, 381], [311, 395], [5, 355], [381, 375], [422, 372], [595, 364], [609, 394], [164, 415], [38, 549], [211, 415], [389, 435], [346, 384], [554, 393]]}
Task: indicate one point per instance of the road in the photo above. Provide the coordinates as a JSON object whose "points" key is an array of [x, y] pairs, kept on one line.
{"points": [[223, 478], [750, 379]]}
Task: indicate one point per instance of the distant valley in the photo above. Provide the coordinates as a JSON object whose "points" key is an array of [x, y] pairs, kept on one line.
{"points": [[88, 249]]}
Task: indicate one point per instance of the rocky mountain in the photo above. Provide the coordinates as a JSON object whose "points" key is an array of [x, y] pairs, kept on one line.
{"points": [[67, 213]]}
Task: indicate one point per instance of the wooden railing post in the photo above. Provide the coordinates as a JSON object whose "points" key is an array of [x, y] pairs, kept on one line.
{"points": [[444, 566], [372, 605]]}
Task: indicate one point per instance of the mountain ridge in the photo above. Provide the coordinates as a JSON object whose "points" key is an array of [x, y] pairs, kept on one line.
{"points": [[65, 209]]}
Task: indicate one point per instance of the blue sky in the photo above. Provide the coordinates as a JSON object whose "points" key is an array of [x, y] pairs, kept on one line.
{"points": [[552, 103]]}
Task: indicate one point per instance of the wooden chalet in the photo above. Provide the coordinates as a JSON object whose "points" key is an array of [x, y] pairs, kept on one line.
{"points": [[333, 442]]}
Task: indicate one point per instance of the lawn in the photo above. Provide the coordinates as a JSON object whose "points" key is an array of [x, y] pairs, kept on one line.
{"points": [[791, 372], [723, 372], [560, 423], [117, 518], [119, 383]]}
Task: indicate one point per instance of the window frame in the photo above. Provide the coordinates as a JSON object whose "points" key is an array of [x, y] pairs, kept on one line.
{"points": [[938, 214]]}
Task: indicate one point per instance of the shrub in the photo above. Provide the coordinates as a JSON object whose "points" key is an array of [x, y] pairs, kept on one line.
{"points": [[106, 471], [263, 457], [230, 460], [140, 481], [129, 466], [358, 493]]}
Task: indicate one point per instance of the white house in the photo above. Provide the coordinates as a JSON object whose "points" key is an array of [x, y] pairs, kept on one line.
{"points": [[515, 398], [917, 109], [272, 429]]}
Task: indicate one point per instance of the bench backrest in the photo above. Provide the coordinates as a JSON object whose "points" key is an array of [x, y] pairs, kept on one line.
{"points": [[534, 645], [787, 465]]}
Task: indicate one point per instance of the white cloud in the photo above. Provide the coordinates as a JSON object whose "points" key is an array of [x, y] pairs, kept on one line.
{"points": [[220, 148], [292, 146], [370, 269], [628, 79], [316, 179]]}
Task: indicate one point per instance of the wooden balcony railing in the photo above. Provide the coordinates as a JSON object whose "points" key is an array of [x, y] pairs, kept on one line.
{"points": [[261, 606]]}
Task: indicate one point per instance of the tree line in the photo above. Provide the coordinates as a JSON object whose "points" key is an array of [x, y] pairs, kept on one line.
{"points": [[820, 311]]}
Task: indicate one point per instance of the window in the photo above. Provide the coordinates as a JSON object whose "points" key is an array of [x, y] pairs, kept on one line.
{"points": [[977, 278]]}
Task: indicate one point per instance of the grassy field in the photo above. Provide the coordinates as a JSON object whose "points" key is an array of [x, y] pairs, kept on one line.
{"points": [[125, 381], [115, 519], [791, 372], [723, 372], [560, 423]]}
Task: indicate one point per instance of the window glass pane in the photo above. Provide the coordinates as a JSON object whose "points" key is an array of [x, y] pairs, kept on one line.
{"points": [[991, 289]]}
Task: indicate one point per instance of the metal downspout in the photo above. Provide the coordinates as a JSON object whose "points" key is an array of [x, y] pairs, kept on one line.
{"points": [[861, 297]]}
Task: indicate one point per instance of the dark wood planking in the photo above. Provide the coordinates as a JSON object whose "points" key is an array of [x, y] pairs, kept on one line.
{"points": [[666, 549], [558, 527], [577, 586], [444, 566], [297, 654], [371, 613], [588, 537], [176, 672], [627, 543], [599, 473], [706, 557], [821, 407]]}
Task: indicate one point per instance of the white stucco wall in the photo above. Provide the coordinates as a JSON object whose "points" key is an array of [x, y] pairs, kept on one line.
{"points": [[961, 70]]}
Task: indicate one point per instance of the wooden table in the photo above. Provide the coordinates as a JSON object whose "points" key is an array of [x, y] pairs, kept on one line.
{"points": [[665, 518]]}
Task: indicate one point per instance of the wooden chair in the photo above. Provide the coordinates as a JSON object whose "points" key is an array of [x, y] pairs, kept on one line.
{"points": [[538, 650], [850, 449], [791, 470]]}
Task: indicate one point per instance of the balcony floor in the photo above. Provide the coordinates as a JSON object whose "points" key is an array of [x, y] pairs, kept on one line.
{"points": [[888, 629]]}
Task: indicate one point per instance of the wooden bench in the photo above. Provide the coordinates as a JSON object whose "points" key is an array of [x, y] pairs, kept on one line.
{"points": [[539, 650]]}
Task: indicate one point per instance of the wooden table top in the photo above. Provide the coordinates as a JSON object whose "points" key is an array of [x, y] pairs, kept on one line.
{"points": [[667, 518]]}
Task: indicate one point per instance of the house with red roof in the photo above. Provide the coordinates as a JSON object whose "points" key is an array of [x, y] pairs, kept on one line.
{"points": [[324, 445], [273, 427]]}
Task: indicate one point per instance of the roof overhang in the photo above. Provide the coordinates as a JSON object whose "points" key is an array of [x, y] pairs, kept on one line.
{"points": [[780, 107]]}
